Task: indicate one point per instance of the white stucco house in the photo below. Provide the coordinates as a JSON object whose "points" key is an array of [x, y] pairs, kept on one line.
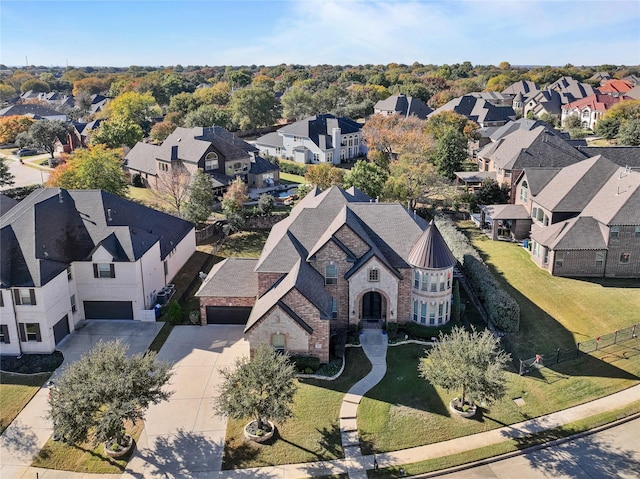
{"points": [[69, 255], [316, 139]]}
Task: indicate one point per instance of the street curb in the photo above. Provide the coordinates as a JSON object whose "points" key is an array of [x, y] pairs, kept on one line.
{"points": [[508, 455]]}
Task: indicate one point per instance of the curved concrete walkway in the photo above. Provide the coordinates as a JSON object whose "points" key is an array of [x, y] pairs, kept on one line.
{"points": [[374, 344]]}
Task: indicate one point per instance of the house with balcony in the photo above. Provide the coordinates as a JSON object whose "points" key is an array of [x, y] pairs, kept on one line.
{"points": [[335, 261], [589, 109], [316, 139], [72, 255], [405, 106]]}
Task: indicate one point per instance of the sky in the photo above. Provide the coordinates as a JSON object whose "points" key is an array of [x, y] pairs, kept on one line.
{"points": [[312, 32]]}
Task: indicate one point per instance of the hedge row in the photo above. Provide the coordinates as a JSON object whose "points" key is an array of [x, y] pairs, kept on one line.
{"points": [[293, 168], [502, 309]]}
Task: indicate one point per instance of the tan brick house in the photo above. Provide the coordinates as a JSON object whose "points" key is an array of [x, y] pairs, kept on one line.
{"points": [[338, 259]]}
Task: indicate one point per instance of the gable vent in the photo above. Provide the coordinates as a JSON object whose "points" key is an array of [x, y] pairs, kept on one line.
{"points": [[109, 218]]}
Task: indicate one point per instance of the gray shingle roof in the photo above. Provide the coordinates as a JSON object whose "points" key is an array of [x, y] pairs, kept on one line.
{"points": [[524, 87], [6, 203], [430, 251], [318, 128], [535, 148], [617, 202], [142, 157], [620, 155], [506, 212], [53, 227], [270, 139], [574, 186], [580, 233], [404, 105], [30, 109], [232, 278], [478, 109], [538, 178]]}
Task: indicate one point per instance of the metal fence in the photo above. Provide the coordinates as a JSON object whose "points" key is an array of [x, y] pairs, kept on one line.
{"points": [[539, 361]]}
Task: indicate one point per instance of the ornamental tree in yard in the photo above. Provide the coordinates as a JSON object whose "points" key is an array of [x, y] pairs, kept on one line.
{"points": [[262, 388], [43, 134], [471, 362], [95, 396], [198, 207], [6, 177]]}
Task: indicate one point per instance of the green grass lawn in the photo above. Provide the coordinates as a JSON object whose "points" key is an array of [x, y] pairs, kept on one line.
{"points": [[556, 312], [288, 178], [85, 458], [16, 390], [313, 434], [404, 410], [244, 244]]}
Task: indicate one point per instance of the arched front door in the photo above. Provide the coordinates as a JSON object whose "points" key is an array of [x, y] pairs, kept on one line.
{"points": [[372, 305]]}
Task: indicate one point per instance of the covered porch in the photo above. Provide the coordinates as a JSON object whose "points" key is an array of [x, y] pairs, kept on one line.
{"points": [[504, 222]]}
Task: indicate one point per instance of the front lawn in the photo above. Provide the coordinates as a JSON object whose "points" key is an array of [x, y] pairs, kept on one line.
{"points": [[404, 410], [84, 458], [16, 390], [313, 434], [556, 312]]}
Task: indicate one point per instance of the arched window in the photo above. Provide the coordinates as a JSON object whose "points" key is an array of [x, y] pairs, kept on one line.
{"points": [[211, 161], [524, 192]]}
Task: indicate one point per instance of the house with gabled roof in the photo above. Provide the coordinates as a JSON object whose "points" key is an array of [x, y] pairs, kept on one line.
{"points": [[589, 109], [220, 153], [523, 148], [585, 218], [615, 87], [335, 261], [402, 105], [486, 110], [316, 139], [33, 110], [550, 100], [70, 255]]}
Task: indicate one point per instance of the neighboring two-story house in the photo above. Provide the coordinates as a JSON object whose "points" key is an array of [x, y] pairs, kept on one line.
{"points": [[70, 255], [486, 108], [316, 139], [338, 259], [405, 106], [218, 152], [589, 109], [585, 218]]}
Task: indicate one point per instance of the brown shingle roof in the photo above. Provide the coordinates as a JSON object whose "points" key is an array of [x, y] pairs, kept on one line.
{"points": [[431, 251]]}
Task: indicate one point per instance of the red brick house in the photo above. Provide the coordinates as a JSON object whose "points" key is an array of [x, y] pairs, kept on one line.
{"points": [[338, 259]]}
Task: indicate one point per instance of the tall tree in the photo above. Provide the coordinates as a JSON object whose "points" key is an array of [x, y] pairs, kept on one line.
{"points": [[629, 133], [394, 136], [451, 151], [208, 115], [492, 193], [233, 204], [198, 206], [440, 123], [253, 107], [172, 189], [471, 362], [93, 397], [262, 389], [117, 132], [95, 168], [324, 175], [297, 103], [137, 107], [367, 177], [6, 177], [44, 134], [411, 179], [12, 126]]}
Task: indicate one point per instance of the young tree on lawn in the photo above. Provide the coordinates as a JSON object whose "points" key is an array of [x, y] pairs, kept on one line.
{"points": [[471, 362], [95, 396], [87, 169], [198, 206], [265, 204], [367, 177], [172, 189], [233, 204], [324, 175], [43, 134], [262, 389], [6, 177]]}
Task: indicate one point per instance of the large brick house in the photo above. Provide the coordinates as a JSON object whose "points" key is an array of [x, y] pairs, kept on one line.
{"points": [[69, 255], [585, 218], [338, 259]]}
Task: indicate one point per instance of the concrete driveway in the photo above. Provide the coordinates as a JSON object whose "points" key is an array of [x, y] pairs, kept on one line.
{"points": [[182, 437], [30, 430]]}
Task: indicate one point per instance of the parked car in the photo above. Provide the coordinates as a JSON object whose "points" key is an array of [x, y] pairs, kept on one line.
{"points": [[27, 152]]}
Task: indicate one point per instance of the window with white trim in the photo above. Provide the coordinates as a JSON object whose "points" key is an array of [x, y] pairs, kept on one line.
{"points": [[211, 161], [30, 332], [599, 259], [4, 334], [559, 258], [72, 299], [278, 342], [331, 274], [415, 310], [637, 232], [24, 296], [423, 313], [416, 279], [69, 275], [334, 308], [614, 231], [524, 192], [104, 270]]}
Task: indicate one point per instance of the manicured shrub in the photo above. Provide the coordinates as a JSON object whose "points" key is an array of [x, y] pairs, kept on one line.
{"points": [[306, 364]]}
